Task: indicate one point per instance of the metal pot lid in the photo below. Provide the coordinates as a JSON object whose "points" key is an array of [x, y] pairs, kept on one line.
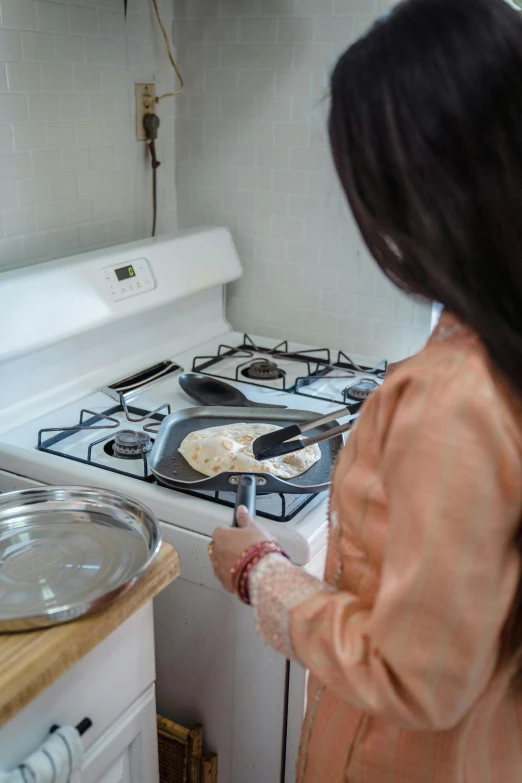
{"points": [[68, 551]]}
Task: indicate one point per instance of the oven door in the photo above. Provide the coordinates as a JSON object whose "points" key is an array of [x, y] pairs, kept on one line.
{"points": [[213, 668]]}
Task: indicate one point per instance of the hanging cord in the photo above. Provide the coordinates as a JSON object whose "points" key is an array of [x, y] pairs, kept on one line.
{"points": [[151, 124], [171, 58]]}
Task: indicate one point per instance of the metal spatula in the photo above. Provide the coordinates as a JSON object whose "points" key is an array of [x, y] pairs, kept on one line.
{"points": [[288, 440]]}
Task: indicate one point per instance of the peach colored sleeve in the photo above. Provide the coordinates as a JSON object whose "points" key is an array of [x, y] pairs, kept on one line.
{"points": [[424, 653]]}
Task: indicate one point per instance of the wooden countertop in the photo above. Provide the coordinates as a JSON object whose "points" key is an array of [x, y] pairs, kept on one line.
{"points": [[31, 661]]}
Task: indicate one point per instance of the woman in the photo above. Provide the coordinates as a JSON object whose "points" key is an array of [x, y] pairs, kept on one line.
{"points": [[414, 640]]}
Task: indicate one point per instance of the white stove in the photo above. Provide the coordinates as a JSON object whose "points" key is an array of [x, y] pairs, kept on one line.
{"points": [[155, 308]]}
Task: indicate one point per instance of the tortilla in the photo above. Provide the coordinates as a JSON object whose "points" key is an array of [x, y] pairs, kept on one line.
{"points": [[229, 448]]}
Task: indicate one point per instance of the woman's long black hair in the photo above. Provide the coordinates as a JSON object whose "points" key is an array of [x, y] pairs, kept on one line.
{"points": [[426, 133]]}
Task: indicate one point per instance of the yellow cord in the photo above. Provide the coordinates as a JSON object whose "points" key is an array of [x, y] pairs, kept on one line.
{"points": [[171, 58]]}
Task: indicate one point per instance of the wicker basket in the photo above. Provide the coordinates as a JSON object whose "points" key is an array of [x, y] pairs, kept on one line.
{"points": [[181, 754]]}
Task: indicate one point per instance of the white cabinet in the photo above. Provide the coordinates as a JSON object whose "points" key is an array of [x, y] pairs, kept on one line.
{"points": [[113, 685], [127, 752]]}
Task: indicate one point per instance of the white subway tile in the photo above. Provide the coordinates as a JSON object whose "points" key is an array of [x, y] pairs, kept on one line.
{"points": [[13, 107], [293, 85], [253, 132], [271, 204], [237, 56], [19, 221], [292, 134], [33, 191], [15, 166], [64, 187], [103, 158], [290, 181], [289, 229], [43, 105], [256, 82], [53, 17], [57, 76], [67, 240], [10, 45], [276, 57], [24, 76], [61, 134], [279, 8], [304, 253], [298, 30], [11, 253], [46, 162], [320, 7], [256, 179], [18, 13], [6, 138], [114, 79], [102, 105], [334, 30], [239, 155], [357, 6], [37, 46], [373, 306], [111, 24], [38, 247], [79, 211], [83, 20], [30, 136], [90, 183], [75, 159], [273, 157], [73, 106], [105, 206], [70, 48], [312, 160], [234, 8], [3, 78], [258, 30], [221, 82], [50, 216], [8, 196], [314, 58], [90, 132], [304, 206], [94, 235], [87, 78], [219, 30]]}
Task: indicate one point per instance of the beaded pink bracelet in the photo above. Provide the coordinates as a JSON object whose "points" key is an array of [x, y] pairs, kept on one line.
{"points": [[243, 559], [248, 560]]}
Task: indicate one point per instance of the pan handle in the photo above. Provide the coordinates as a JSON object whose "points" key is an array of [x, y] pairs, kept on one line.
{"points": [[246, 496]]}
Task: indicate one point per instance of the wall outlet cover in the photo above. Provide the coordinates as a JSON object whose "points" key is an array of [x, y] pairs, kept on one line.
{"points": [[145, 104]]}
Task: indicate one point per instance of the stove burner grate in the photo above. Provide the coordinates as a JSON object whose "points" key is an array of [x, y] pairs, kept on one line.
{"points": [[262, 370], [129, 444]]}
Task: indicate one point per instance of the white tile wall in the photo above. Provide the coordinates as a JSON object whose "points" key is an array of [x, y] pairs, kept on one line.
{"points": [[252, 154], [72, 175]]}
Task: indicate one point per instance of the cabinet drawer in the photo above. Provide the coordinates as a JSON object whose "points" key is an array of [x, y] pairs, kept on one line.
{"points": [[101, 686]]}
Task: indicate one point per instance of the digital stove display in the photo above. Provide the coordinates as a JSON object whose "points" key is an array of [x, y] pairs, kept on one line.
{"points": [[125, 272]]}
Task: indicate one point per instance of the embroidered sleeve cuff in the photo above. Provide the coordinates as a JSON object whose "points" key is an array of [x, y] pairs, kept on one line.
{"points": [[276, 587]]}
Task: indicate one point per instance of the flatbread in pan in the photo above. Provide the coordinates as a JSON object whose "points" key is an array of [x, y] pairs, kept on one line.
{"points": [[228, 447]]}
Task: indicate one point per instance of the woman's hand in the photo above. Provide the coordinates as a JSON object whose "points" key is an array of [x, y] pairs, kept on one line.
{"points": [[230, 543]]}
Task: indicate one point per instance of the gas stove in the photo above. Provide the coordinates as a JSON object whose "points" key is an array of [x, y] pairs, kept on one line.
{"points": [[146, 312]]}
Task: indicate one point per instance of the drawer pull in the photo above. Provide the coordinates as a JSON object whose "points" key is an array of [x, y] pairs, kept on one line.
{"points": [[83, 726]]}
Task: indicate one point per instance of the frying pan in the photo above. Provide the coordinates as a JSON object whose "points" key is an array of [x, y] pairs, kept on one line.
{"points": [[172, 470]]}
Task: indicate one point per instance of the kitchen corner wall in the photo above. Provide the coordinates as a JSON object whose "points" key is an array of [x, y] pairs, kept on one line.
{"points": [[72, 175], [252, 154]]}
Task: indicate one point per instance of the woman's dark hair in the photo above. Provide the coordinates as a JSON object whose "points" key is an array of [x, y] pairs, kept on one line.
{"points": [[426, 133]]}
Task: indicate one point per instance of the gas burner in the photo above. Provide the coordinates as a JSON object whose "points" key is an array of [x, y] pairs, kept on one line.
{"points": [[262, 370], [361, 390], [129, 444]]}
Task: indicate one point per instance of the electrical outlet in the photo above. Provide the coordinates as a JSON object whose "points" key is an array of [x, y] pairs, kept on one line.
{"points": [[145, 104]]}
